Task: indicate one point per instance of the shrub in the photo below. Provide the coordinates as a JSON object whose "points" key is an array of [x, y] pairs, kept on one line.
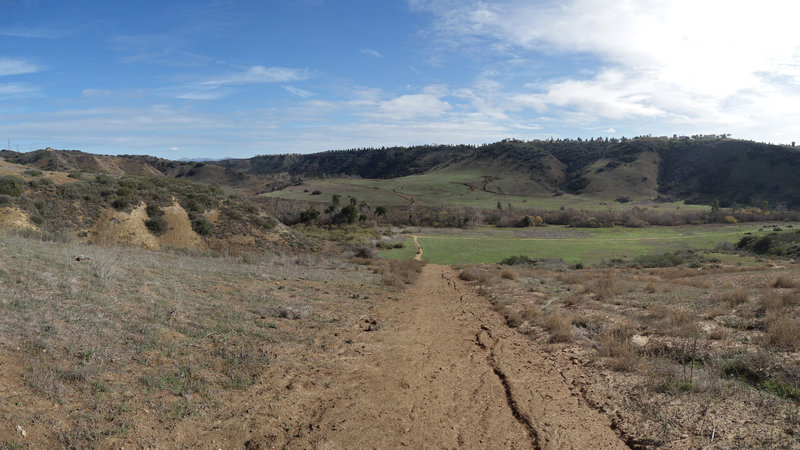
{"points": [[32, 172], [784, 282], [399, 272], [783, 332], [615, 341], [559, 325], [519, 260], [732, 297], [202, 226], [157, 225], [509, 274], [662, 260], [121, 202], [12, 186]]}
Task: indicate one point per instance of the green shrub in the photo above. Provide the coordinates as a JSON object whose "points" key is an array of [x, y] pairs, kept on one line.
{"points": [[33, 172], [11, 185], [519, 260], [157, 225], [121, 202], [202, 226]]}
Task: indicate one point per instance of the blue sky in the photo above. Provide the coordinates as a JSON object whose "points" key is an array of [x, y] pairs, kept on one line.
{"points": [[227, 78]]}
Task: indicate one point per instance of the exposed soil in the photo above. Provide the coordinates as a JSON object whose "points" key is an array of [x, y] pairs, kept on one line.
{"points": [[433, 367], [447, 372]]}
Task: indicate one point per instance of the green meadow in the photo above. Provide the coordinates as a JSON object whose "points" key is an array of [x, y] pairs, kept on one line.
{"points": [[589, 246]]}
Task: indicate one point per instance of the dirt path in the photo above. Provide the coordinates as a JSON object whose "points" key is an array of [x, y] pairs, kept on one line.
{"points": [[445, 371], [418, 256]]}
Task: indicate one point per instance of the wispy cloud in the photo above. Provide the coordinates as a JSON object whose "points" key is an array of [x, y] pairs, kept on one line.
{"points": [[371, 52], [19, 90], [299, 92], [259, 75], [37, 33], [10, 66]]}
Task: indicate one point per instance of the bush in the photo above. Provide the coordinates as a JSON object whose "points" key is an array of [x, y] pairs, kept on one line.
{"points": [[560, 327], [157, 225], [783, 332], [732, 297], [202, 226], [12, 186], [784, 282], [33, 172], [662, 260], [518, 260], [121, 202]]}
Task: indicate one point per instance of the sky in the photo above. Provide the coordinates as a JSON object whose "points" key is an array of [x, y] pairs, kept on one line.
{"points": [[238, 78]]}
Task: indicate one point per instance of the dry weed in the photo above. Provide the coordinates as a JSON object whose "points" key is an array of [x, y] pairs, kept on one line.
{"points": [[783, 281], [783, 332], [399, 272], [559, 324], [651, 288], [732, 297], [509, 274]]}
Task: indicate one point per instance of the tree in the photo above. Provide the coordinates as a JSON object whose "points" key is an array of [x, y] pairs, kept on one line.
{"points": [[308, 215], [381, 211], [715, 207], [349, 214], [336, 199]]}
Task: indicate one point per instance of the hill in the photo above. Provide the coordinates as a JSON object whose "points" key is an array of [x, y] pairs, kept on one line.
{"points": [[695, 170]]}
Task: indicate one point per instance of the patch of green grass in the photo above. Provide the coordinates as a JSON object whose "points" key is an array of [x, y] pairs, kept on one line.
{"points": [[592, 247]]}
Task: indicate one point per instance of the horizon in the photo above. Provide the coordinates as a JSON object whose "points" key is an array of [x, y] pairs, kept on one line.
{"points": [[379, 148], [224, 79]]}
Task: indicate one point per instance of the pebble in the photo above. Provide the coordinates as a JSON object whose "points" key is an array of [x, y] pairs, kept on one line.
{"points": [[21, 431]]}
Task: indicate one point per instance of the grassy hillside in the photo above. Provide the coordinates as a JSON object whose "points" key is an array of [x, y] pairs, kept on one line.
{"points": [[695, 170]]}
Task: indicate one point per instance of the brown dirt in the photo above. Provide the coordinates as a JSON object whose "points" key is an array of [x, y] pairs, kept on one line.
{"points": [[444, 371], [451, 374], [179, 233], [15, 218], [432, 367]]}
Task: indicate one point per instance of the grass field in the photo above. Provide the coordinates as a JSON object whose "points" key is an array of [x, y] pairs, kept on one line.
{"points": [[450, 188], [573, 245]]}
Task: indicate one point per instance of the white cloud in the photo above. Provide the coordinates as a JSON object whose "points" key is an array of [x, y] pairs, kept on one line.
{"points": [[260, 75], [610, 131], [18, 90], [718, 63], [16, 67], [371, 52], [413, 106], [174, 149], [299, 92]]}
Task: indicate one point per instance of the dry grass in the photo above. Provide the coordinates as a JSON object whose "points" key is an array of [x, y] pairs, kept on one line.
{"points": [[129, 330], [509, 274], [651, 288], [559, 324], [783, 281], [478, 274], [606, 288], [732, 297], [399, 272], [783, 332]]}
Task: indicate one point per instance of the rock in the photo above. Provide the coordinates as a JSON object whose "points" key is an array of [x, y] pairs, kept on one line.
{"points": [[81, 258], [21, 431]]}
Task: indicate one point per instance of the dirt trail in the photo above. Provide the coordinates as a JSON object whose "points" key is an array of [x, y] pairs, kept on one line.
{"points": [[418, 256], [445, 371]]}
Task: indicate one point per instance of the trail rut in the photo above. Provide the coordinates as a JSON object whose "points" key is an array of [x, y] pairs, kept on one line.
{"points": [[445, 371]]}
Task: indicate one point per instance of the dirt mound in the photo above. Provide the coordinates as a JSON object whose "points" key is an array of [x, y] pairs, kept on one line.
{"points": [[121, 228], [15, 218], [179, 232]]}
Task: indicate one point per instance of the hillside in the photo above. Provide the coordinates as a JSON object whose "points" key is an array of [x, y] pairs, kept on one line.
{"points": [[694, 170]]}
